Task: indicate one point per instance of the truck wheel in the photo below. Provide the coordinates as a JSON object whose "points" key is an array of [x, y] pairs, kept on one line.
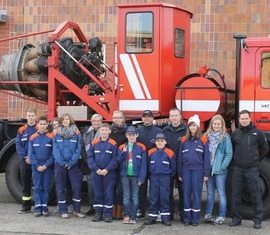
{"points": [[13, 179], [247, 210]]}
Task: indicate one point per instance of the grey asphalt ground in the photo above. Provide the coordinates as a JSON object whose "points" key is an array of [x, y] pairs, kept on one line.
{"points": [[12, 223]]}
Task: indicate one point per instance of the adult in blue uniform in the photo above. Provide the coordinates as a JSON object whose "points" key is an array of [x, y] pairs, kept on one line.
{"points": [[41, 156], [162, 167], [249, 148], [22, 142], [147, 134], [66, 151], [174, 131], [102, 161]]}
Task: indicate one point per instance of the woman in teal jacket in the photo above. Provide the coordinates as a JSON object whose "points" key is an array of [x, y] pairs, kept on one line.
{"points": [[220, 147]]}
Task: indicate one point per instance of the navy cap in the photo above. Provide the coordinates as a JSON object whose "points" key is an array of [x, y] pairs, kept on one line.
{"points": [[131, 130], [147, 112], [160, 136]]}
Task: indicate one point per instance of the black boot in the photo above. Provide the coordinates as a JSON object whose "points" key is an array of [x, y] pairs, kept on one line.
{"points": [[98, 216], [91, 211]]}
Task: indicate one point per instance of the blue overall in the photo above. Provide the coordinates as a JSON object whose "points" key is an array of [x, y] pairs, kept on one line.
{"points": [[193, 165], [22, 142], [66, 153], [40, 152], [102, 155], [162, 166]]}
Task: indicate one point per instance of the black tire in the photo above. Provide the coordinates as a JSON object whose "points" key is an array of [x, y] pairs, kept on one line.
{"points": [[13, 180], [13, 177], [247, 210]]}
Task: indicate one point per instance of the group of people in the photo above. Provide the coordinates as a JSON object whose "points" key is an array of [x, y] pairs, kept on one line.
{"points": [[119, 161]]}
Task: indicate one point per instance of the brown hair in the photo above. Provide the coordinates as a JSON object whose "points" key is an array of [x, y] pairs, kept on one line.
{"points": [[243, 112], [105, 124], [42, 118], [71, 119], [175, 109], [31, 110], [197, 135]]}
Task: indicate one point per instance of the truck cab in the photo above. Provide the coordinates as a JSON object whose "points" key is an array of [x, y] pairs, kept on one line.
{"points": [[153, 53], [254, 90]]}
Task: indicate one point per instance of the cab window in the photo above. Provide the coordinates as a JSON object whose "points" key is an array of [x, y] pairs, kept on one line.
{"points": [[265, 70], [139, 32], [179, 43]]}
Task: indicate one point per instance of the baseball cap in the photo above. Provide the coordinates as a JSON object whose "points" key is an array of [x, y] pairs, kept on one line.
{"points": [[131, 130], [160, 136], [147, 112]]}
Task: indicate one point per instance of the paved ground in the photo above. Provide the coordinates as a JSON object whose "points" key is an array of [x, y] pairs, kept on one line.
{"points": [[11, 223]]}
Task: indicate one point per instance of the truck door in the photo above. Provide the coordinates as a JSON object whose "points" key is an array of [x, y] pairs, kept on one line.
{"points": [[262, 89]]}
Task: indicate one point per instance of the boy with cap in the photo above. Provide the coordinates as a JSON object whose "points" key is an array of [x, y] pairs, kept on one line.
{"points": [[133, 167], [162, 168], [102, 161], [193, 169]]}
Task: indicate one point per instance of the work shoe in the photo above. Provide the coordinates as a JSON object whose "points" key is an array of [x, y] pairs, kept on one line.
{"points": [[257, 226], [64, 216], [150, 222], [91, 211], [234, 224], [167, 222], [208, 218], [37, 214], [125, 220], [218, 221], [79, 215], [108, 219], [45, 213], [97, 217], [132, 221], [24, 210]]}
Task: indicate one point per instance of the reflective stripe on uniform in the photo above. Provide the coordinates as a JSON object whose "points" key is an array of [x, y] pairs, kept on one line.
{"points": [[24, 198]]}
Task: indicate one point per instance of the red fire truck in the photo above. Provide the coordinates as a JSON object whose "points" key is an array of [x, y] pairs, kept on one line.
{"points": [[69, 74]]}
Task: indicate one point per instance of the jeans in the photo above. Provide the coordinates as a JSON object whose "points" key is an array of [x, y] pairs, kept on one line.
{"points": [[130, 196], [216, 182]]}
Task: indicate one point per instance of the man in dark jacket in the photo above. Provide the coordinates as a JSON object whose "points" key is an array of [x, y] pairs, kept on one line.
{"points": [[147, 134], [250, 146], [174, 131]]}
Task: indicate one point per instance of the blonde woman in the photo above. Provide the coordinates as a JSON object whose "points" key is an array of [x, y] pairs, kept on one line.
{"points": [[220, 148]]}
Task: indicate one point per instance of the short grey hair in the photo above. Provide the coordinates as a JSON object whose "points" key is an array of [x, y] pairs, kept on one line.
{"points": [[96, 115]]}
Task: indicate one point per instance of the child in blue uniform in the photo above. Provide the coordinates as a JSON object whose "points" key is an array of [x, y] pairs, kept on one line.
{"points": [[162, 167], [102, 161], [193, 169], [133, 166], [40, 153]]}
